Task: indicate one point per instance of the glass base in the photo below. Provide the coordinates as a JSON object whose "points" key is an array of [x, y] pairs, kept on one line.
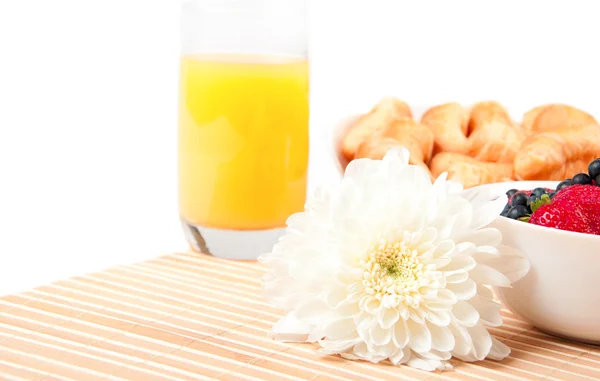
{"points": [[231, 244]]}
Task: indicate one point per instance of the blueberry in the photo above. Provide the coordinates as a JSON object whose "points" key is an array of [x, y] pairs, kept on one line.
{"points": [[533, 198], [552, 195], [519, 199], [598, 180], [594, 168], [511, 192], [564, 184], [538, 192], [582, 179], [517, 212], [505, 210]]}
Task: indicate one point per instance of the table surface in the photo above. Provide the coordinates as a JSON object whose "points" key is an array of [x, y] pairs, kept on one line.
{"points": [[188, 316]]}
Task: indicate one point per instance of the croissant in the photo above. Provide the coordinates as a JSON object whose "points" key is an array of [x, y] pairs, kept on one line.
{"points": [[555, 117], [417, 139], [493, 136], [375, 147], [530, 116], [557, 154], [449, 124], [470, 172], [386, 111]]}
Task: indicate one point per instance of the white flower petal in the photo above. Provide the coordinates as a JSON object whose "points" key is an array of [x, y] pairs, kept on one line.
{"points": [[462, 339], [419, 337], [489, 311], [465, 314], [444, 249], [469, 357], [361, 169], [388, 317], [439, 318], [356, 287], [361, 351], [400, 356], [465, 290], [371, 305], [314, 311], [440, 262], [340, 329], [499, 350], [385, 350], [482, 341], [364, 322], [465, 248], [439, 184], [442, 338], [347, 308], [483, 274], [436, 355], [423, 364], [404, 313], [417, 315], [486, 212], [459, 264], [454, 187], [457, 278], [297, 222], [487, 237], [290, 329], [511, 262], [380, 336], [350, 356], [401, 334], [396, 157], [335, 297], [337, 346], [485, 292], [489, 250], [462, 222], [429, 235], [445, 297]]}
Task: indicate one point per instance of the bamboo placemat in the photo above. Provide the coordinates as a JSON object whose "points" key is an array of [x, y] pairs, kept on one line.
{"points": [[188, 316]]}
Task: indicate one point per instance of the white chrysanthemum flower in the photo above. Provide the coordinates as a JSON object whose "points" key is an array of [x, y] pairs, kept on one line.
{"points": [[387, 265]]}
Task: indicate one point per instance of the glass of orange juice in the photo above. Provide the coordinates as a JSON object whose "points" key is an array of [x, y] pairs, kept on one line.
{"points": [[243, 123]]}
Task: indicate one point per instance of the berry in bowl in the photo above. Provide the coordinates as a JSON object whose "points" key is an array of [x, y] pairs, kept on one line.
{"points": [[557, 226]]}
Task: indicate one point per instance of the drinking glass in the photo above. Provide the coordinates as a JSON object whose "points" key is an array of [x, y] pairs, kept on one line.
{"points": [[243, 123]]}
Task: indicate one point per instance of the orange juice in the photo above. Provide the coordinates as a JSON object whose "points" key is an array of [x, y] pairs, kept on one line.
{"points": [[243, 140]]}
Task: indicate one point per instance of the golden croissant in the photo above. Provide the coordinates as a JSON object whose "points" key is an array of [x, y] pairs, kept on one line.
{"points": [[418, 140], [449, 124], [380, 116], [482, 144], [469, 171], [493, 136], [555, 155]]}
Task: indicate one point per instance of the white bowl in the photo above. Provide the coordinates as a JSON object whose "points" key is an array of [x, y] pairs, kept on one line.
{"points": [[561, 293]]}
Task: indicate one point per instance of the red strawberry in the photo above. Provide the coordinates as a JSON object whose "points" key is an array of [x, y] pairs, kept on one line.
{"points": [[563, 217], [586, 194], [575, 208]]}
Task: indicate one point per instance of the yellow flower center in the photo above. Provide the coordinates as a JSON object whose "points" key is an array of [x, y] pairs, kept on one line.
{"points": [[394, 272]]}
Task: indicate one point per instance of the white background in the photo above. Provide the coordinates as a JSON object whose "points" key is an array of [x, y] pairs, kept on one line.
{"points": [[88, 97]]}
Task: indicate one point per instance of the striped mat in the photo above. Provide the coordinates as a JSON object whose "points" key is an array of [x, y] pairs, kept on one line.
{"points": [[187, 316]]}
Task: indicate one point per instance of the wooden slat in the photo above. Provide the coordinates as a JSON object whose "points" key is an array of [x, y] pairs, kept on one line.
{"points": [[177, 317]]}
